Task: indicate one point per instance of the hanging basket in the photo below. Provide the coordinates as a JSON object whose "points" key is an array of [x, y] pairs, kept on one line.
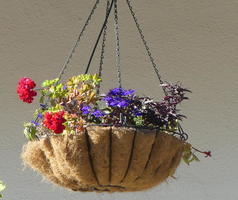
{"points": [[106, 159], [119, 157]]}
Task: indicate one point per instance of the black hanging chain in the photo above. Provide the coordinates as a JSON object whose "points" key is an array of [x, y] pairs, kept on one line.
{"points": [[68, 59], [99, 36], [183, 135], [118, 55], [103, 44], [156, 69], [103, 48]]}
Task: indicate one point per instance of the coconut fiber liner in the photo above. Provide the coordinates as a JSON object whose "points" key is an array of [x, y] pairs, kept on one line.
{"points": [[106, 159]]}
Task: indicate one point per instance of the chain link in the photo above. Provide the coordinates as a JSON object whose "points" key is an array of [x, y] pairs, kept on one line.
{"points": [[145, 43], [68, 59], [103, 47], [99, 36], [103, 44], [118, 55]]}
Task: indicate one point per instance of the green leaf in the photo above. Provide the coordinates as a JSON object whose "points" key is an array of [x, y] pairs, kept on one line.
{"points": [[59, 87], [42, 99], [55, 108], [139, 121], [48, 83], [189, 156], [45, 83], [30, 131], [195, 157]]}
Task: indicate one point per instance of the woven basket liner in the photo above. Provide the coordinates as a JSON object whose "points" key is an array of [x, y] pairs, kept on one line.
{"points": [[106, 159]]}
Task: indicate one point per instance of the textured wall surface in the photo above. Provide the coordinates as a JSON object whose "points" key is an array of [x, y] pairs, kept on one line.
{"points": [[194, 42]]}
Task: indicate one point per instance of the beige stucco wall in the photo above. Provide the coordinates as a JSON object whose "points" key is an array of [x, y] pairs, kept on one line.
{"points": [[195, 42]]}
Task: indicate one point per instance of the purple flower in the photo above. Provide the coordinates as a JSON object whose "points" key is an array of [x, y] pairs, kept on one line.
{"points": [[40, 115], [107, 98], [97, 113], [115, 92], [123, 103], [118, 97], [113, 103], [35, 123], [117, 101], [86, 109], [65, 87], [120, 92], [136, 112], [129, 92]]}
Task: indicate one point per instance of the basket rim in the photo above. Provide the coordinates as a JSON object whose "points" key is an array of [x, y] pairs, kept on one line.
{"points": [[132, 127], [172, 133], [125, 126]]}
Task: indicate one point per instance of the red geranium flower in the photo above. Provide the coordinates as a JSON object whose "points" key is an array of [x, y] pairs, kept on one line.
{"points": [[54, 121], [208, 153], [25, 89]]}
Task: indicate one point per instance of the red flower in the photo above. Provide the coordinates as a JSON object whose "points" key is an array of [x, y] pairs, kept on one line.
{"points": [[25, 89], [208, 153], [54, 121]]}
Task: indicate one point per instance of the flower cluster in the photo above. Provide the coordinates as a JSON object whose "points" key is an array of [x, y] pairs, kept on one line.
{"points": [[25, 89], [118, 97], [69, 107], [87, 110], [54, 121], [77, 103], [127, 108]]}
